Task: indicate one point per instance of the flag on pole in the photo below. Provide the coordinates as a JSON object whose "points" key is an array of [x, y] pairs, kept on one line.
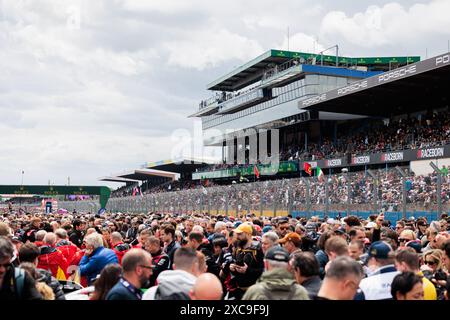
{"points": [[307, 168], [319, 173], [256, 171]]}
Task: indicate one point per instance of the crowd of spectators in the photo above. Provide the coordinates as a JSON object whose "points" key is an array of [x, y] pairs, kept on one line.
{"points": [[152, 256], [411, 132], [285, 194]]}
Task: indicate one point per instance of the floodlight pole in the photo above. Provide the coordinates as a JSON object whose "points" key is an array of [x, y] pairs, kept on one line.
{"points": [[439, 185], [375, 197], [403, 175]]}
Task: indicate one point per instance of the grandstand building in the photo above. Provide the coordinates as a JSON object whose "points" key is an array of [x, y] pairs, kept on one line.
{"points": [[327, 111]]}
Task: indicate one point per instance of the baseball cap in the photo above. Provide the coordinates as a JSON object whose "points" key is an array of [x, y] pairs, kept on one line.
{"points": [[415, 244], [244, 227], [371, 225], [379, 249], [291, 236], [277, 254], [340, 230]]}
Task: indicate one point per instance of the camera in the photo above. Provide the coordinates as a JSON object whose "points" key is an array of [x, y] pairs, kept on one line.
{"points": [[440, 275]]}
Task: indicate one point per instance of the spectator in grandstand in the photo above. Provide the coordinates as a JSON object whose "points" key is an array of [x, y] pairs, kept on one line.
{"points": [[341, 280], [276, 283], [96, 257], [137, 269], [407, 286]]}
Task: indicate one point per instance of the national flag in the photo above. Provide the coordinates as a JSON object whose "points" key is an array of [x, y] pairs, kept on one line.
{"points": [[256, 171], [307, 168], [60, 275], [134, 191], [319, 173]]}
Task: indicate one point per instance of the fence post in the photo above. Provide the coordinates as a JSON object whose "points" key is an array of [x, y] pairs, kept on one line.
{"points": [[375, 185], [438, 189]]}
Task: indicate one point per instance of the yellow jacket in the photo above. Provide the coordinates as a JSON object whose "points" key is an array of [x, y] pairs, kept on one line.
{"points": [[429, 290]]}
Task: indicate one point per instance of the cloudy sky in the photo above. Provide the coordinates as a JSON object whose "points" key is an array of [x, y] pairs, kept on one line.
{"points": [[93, 88]]}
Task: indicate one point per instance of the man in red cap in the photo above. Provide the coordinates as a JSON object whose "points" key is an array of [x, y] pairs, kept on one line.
{"points": [[292, 242]]}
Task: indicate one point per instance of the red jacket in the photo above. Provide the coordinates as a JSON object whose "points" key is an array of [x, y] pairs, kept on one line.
{"points": [[50, 259], [75, 262], [120, 249], [39, 243], [68, 249]]}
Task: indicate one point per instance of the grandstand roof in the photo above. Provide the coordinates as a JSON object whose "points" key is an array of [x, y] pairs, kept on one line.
{"points": [[253, 70], [410, 88], [180, 165], [141, 175], [117, 179]]}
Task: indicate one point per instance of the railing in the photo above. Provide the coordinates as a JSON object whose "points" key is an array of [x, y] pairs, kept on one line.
{"points": [[280, 68], [345, 194]]}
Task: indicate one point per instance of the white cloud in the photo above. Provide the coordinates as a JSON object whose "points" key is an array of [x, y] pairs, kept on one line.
{"points": [[207, 48], [389, 26], [106, 96]]}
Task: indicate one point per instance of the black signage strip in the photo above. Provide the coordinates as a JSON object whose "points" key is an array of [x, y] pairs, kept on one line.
{"points": [[386, 77], [385, 157]]}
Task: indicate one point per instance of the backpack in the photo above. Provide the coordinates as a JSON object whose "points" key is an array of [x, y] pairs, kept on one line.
{"points": [[19, 280], [270, 296]]}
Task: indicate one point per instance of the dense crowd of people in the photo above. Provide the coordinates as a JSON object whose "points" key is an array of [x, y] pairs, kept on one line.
{"points": [[411, 132], [282, 194], [117, 256]]}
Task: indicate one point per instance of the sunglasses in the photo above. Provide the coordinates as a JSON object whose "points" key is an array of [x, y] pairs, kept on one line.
{"points": [[284, 228], [147, 267], [431, 263], [402, 239]]}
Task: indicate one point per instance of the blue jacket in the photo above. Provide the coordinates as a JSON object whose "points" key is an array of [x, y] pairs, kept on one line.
{"points": [[322, 258], [92, 266], [119, 292]]}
